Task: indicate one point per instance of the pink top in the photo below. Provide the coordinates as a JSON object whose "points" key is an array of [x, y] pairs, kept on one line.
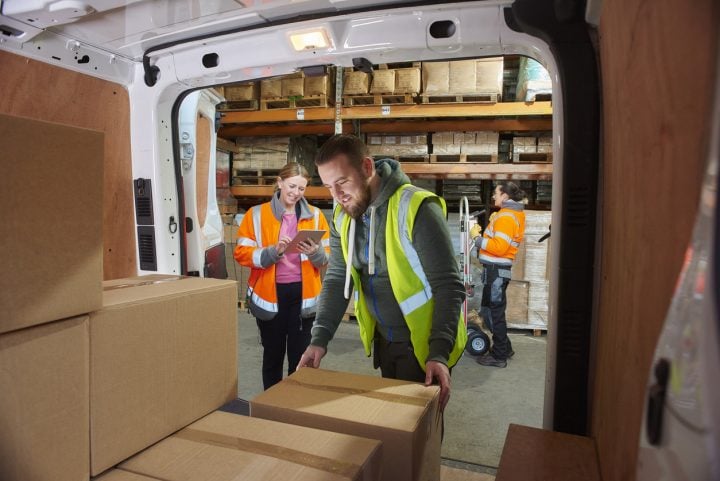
{"points": [[287, 270]]}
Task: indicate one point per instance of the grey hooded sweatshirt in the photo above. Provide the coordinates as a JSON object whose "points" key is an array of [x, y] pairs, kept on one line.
{"points": [[431, 240]]}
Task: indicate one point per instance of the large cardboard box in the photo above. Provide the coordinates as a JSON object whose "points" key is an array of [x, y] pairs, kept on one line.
{"points": [[44, 422], [225, 446], [403, 415], [51, 240], [120, 475], [163, 354], [241, 91]]}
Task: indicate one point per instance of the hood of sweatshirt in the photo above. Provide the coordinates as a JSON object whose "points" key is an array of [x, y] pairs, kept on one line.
{"points": [[302, 208], [391, 178]]}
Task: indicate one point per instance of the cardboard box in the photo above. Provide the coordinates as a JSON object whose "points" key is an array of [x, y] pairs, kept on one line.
{"points": [[163, 354], [242, 91], [293, 86], [436, 77], [517, 302], [44, 393], [271, 88], [120, 475], [316, 85], [489, 75], [356, 83], [462, 77], [224, 446], [51, 195], [407, 80], [401, 414], [383, 82]]}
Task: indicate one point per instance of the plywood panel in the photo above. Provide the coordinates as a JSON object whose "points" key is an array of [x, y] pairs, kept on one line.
{"points": [[658, 65], [41, 91], [202, 166]]}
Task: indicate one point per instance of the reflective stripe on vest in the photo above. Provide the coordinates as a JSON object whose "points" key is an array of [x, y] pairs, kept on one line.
{"points": [[262, 303]]}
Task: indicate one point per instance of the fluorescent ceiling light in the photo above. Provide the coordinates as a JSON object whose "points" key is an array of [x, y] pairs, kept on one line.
{"points": [[315, 39]]}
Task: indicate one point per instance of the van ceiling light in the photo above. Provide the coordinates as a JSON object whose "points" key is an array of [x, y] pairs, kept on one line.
{"points": [[315, 39]]}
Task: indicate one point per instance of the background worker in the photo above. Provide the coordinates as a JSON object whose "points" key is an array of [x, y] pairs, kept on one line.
{"points": [[389, 241], [497, 248], [283, 287]]}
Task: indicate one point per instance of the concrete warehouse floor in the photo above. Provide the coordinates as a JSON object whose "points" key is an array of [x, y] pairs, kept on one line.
{"points": [[483, 402]]}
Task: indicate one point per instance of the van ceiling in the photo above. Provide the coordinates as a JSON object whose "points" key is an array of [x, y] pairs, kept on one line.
{"points": [[129, 27]]}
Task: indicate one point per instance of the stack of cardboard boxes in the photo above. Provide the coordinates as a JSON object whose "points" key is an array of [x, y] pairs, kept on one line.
{"points": [[398, 145], [120, 379]]}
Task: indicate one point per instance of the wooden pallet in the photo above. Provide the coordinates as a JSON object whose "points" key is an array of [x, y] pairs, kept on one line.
{"points": [[404, 158], [543, 157], [440, 158], [540, 98], [537, 331], [296, 103], [460, 99], [238, 105], [379, 99]]}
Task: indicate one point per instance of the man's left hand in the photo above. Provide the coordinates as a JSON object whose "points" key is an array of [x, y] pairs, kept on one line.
{"points": [[440, 372]]}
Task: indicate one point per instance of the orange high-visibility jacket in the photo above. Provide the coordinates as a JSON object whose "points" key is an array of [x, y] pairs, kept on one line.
{"points": [[503, 235], [260, 229]]}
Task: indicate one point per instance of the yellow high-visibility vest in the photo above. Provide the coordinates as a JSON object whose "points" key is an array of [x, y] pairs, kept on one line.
{"points": [[407, 278]]}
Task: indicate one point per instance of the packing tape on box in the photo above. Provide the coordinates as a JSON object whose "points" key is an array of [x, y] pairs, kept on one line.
{"points": [[146, 283], [341, 468], [383, 396]]}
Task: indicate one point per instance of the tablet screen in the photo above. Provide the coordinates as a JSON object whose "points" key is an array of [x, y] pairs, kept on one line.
{"points": [[302, 236]]}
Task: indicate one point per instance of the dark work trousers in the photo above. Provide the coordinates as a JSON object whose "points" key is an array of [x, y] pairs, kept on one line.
{"points": [[287, 332], [494, 301], [397, 360]]}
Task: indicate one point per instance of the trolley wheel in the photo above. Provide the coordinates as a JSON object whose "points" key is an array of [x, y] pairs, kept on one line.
{"points": [[478, 343]]}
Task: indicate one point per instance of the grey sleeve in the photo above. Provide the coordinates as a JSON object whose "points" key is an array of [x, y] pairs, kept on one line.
{"points": [[431, 239], [319, 258], [332, 303], [269, 256]]}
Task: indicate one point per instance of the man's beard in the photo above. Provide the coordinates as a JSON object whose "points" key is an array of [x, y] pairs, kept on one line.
{"points": [[355, 210]]}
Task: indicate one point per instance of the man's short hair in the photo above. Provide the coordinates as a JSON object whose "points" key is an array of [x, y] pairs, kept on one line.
{"points": [[343, 144]]}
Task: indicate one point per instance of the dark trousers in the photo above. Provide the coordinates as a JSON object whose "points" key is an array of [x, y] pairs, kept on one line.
{"points": [[397, 360], [494, 301], [286, 333]]}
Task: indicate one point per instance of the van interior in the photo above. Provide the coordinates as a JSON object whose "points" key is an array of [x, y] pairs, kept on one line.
{"points": [[624, 137]]}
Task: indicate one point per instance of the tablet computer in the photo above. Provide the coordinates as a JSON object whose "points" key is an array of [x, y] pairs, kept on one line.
{"points": [[302, 236]]}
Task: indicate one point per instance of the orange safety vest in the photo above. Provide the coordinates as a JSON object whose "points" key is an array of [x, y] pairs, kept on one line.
{"points": [[260, 229], [502, 237]]}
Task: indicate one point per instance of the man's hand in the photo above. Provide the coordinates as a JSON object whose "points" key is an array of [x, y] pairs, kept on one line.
{"points": [[312, 356], [440, 372]]}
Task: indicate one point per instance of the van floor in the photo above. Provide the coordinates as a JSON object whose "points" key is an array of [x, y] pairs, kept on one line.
{"points": [[483, 401]]}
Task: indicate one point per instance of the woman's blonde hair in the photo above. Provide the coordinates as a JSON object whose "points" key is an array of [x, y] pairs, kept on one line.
{"points": [[292, 169]]}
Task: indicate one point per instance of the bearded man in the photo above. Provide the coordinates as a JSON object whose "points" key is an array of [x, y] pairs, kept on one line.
{"points": [[389, 243]]}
